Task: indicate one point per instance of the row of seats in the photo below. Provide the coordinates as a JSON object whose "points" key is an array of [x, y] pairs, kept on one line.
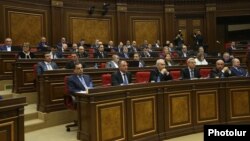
{"points": [[143, 77]]}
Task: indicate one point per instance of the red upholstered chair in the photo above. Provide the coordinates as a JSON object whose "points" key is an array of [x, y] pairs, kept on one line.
{"points": [[91, 52], [69, 102], [142, 77], [204, 72], [106, 79], [102, 65], [176, 74]]}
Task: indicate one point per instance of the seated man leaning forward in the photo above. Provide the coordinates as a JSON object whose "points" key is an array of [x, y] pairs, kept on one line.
{"points": [[78, 81], [122, 76], [160, 73], [220, 71]]}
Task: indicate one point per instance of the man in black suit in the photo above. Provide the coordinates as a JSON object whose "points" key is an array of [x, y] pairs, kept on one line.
{"points": [[101, 53], [82, 53], [122, 76], [220, 71], [137, 57], [78, 81], [190, 72], [74, 60], [160, 73], [55, 54], [124, 54]]}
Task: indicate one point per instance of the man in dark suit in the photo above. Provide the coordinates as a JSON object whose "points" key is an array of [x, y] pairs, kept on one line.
{"points": [[137, 57], [184, 52], [231, 48], [45, 65], [101, 53], [124, 54], [54, 53], [122, 76], [220, 71], [82, 53], [160, 73], [190, 72], [8, 46], [79, 81], [74, 60], [236, 69], [43, 45]]}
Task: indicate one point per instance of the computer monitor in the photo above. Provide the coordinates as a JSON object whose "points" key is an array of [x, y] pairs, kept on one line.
{"points": [[133, 64]]}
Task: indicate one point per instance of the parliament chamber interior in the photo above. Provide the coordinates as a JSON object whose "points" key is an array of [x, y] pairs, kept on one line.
{"points": [[122, 70]]}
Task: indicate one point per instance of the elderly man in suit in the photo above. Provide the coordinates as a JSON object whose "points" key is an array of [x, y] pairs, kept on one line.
{"points": [[160, 73], [45, 65], [236, 69], [8, 46], [190, 72], [122, 76], [114, 62], [220, 71], [78, 81]]}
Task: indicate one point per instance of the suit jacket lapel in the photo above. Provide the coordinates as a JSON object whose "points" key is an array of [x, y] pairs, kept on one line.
{"points": [[79, 82]]}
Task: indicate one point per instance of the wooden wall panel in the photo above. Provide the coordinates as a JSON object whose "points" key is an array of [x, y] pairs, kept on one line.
{"points": [[179, 110], [240, 103], [146, 30], [207, 106], [57, 92], [7, 131], [110, 125], [90, 29], [25, 27], [143, 122], [24, 24]]}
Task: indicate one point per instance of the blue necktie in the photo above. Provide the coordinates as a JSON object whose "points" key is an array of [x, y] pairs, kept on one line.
{"points": [[83, 82], [158, 78], [125, 79], [125, 54]]}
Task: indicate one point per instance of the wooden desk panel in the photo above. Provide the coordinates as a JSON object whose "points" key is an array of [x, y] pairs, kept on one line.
{"points": [[151, 112], [12, 119]]}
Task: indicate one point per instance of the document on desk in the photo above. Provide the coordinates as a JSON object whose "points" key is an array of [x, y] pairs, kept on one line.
{"points": [[82, 92]]}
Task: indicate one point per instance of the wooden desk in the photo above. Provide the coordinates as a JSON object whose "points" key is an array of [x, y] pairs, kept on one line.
{"points": [[51, 85], [12, 119], [157, 111]]}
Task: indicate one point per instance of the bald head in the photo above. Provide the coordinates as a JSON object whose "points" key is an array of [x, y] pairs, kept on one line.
{"points": [[220, 64], [236, 62]]}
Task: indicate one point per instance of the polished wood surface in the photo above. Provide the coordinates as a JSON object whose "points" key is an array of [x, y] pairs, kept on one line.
{"points": [[12, 119], [157, 111], [70, 18]]}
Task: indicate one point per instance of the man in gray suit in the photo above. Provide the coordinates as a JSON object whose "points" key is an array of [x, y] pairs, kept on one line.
{"points": [[114, 62], [47, 64]]}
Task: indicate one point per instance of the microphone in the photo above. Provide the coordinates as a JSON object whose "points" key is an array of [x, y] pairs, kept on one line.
{"points": [[218, 42]]}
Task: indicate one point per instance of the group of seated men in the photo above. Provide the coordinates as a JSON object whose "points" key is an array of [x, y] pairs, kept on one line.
{"points": [[79, 81]]}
